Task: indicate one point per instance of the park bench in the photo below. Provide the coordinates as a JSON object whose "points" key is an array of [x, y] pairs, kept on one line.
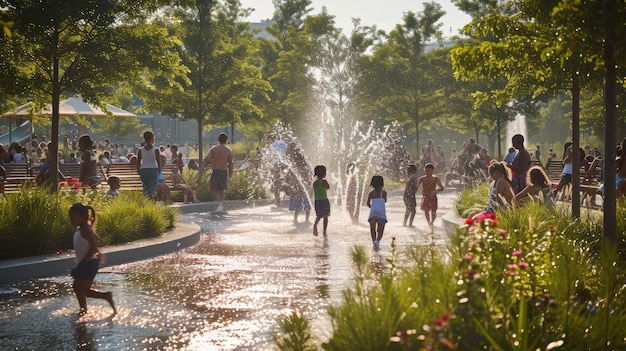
{"points": [[554, 169], [17, 175]]}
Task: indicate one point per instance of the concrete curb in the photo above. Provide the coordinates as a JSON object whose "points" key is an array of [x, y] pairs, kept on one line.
{"points": [[451, 222], [182, 236]]}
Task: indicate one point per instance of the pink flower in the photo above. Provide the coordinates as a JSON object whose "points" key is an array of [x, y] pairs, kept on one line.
{"points": [[510, 273], [516, 253], [522, 264], [469, 256], [512, 267], [503, 232]]}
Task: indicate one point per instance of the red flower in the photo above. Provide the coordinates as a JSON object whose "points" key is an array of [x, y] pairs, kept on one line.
{"points": [[469, 221], [437, 322], [446, 317], [470, 272]]}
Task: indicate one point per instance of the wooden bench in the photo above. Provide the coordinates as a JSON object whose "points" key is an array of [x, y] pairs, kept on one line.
{"points": [[70, 169], [554, 169], [129, 177], [17, 175]]}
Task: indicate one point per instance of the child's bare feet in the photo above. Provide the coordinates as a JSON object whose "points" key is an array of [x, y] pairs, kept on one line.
{"points": [[109, 298]]}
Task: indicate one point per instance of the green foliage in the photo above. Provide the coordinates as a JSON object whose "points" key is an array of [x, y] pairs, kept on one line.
{"points": [[240, 187], [34, 221], [530, 279], [296, 334], [472, 200]]}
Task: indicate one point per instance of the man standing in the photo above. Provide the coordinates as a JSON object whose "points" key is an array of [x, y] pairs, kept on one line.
{"points": [[221, 158]]}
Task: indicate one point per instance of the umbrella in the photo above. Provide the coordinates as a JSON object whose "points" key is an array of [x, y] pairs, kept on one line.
{"points": [[75, 106], [71, 107]]}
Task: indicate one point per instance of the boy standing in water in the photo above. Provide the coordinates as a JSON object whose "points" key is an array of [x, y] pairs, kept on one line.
{"points": [[378, 214], [431, 185], [322, 205], [409, 195]]}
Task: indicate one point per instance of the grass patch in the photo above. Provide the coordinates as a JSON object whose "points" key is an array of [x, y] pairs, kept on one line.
{"points": [[35, 221], [530, 279]]}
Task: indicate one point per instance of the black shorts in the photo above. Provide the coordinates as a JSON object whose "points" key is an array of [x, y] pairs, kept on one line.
{"points": [[219, 179], [86, 270]]}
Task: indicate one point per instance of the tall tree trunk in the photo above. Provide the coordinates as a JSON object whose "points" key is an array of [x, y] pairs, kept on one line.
{"points": [[53, 146], [576, 146], [418, 155], [499, 127], [610, 128]]}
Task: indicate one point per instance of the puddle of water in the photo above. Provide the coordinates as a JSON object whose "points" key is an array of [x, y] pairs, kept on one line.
{"points": [[226, 293]]}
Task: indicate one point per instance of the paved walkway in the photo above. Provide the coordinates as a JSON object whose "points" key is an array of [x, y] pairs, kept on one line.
{"points": [[187, 234]]}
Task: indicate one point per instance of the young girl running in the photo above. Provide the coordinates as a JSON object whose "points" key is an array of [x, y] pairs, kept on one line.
{"points": [[88, 256], [322, 205], [378, 215]]}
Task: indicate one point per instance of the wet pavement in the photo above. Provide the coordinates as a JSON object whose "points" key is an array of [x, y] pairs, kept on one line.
{"points": [[251, 266]]}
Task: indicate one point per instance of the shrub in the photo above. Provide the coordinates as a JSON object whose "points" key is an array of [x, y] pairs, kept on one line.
{"points": [[34, 221], [240, 187], [530, 279]]}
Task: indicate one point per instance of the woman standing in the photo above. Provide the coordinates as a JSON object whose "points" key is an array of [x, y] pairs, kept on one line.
{"points": [[149, 164]]}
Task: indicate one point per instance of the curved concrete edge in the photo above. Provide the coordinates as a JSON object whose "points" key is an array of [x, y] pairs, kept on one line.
{"points": [[182, 236], [451, 222], [212, 205]]}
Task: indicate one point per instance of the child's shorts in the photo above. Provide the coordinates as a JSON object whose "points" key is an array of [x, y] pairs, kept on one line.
{"points": [[429, 204], [379, 220], [322, 208], [86, 270]]}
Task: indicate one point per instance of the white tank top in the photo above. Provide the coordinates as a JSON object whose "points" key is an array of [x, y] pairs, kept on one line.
{"points": [[148, 158], [81, 246]]}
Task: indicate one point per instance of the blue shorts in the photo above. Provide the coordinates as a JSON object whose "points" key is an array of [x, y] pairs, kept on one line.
{"points": [[322, 208], [380, 221], [86, 270]]}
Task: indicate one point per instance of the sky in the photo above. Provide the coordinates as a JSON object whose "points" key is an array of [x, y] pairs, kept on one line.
{"points": [[385, 14]]}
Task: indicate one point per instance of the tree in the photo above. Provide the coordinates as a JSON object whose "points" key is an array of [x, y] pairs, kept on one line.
{"points": [[556, 45], [221, 84], [83, 47], [395, 75], [286, 64]]}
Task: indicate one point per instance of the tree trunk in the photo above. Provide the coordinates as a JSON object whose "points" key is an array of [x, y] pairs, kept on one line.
{"points": [[418, 155], [53, 146], [499, 127], [610, 128], [575, 146]]}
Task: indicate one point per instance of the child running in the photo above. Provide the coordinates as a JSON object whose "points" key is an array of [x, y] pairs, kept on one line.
{"points": [[322, 205], [88, 256], [409, 195], [431, 185], [378, 215]]}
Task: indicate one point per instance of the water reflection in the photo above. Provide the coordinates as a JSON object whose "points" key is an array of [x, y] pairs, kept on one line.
{"points": [[226, 293]]}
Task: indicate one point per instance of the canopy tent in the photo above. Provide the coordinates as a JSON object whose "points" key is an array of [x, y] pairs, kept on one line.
{"points": [[72, 107]]}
